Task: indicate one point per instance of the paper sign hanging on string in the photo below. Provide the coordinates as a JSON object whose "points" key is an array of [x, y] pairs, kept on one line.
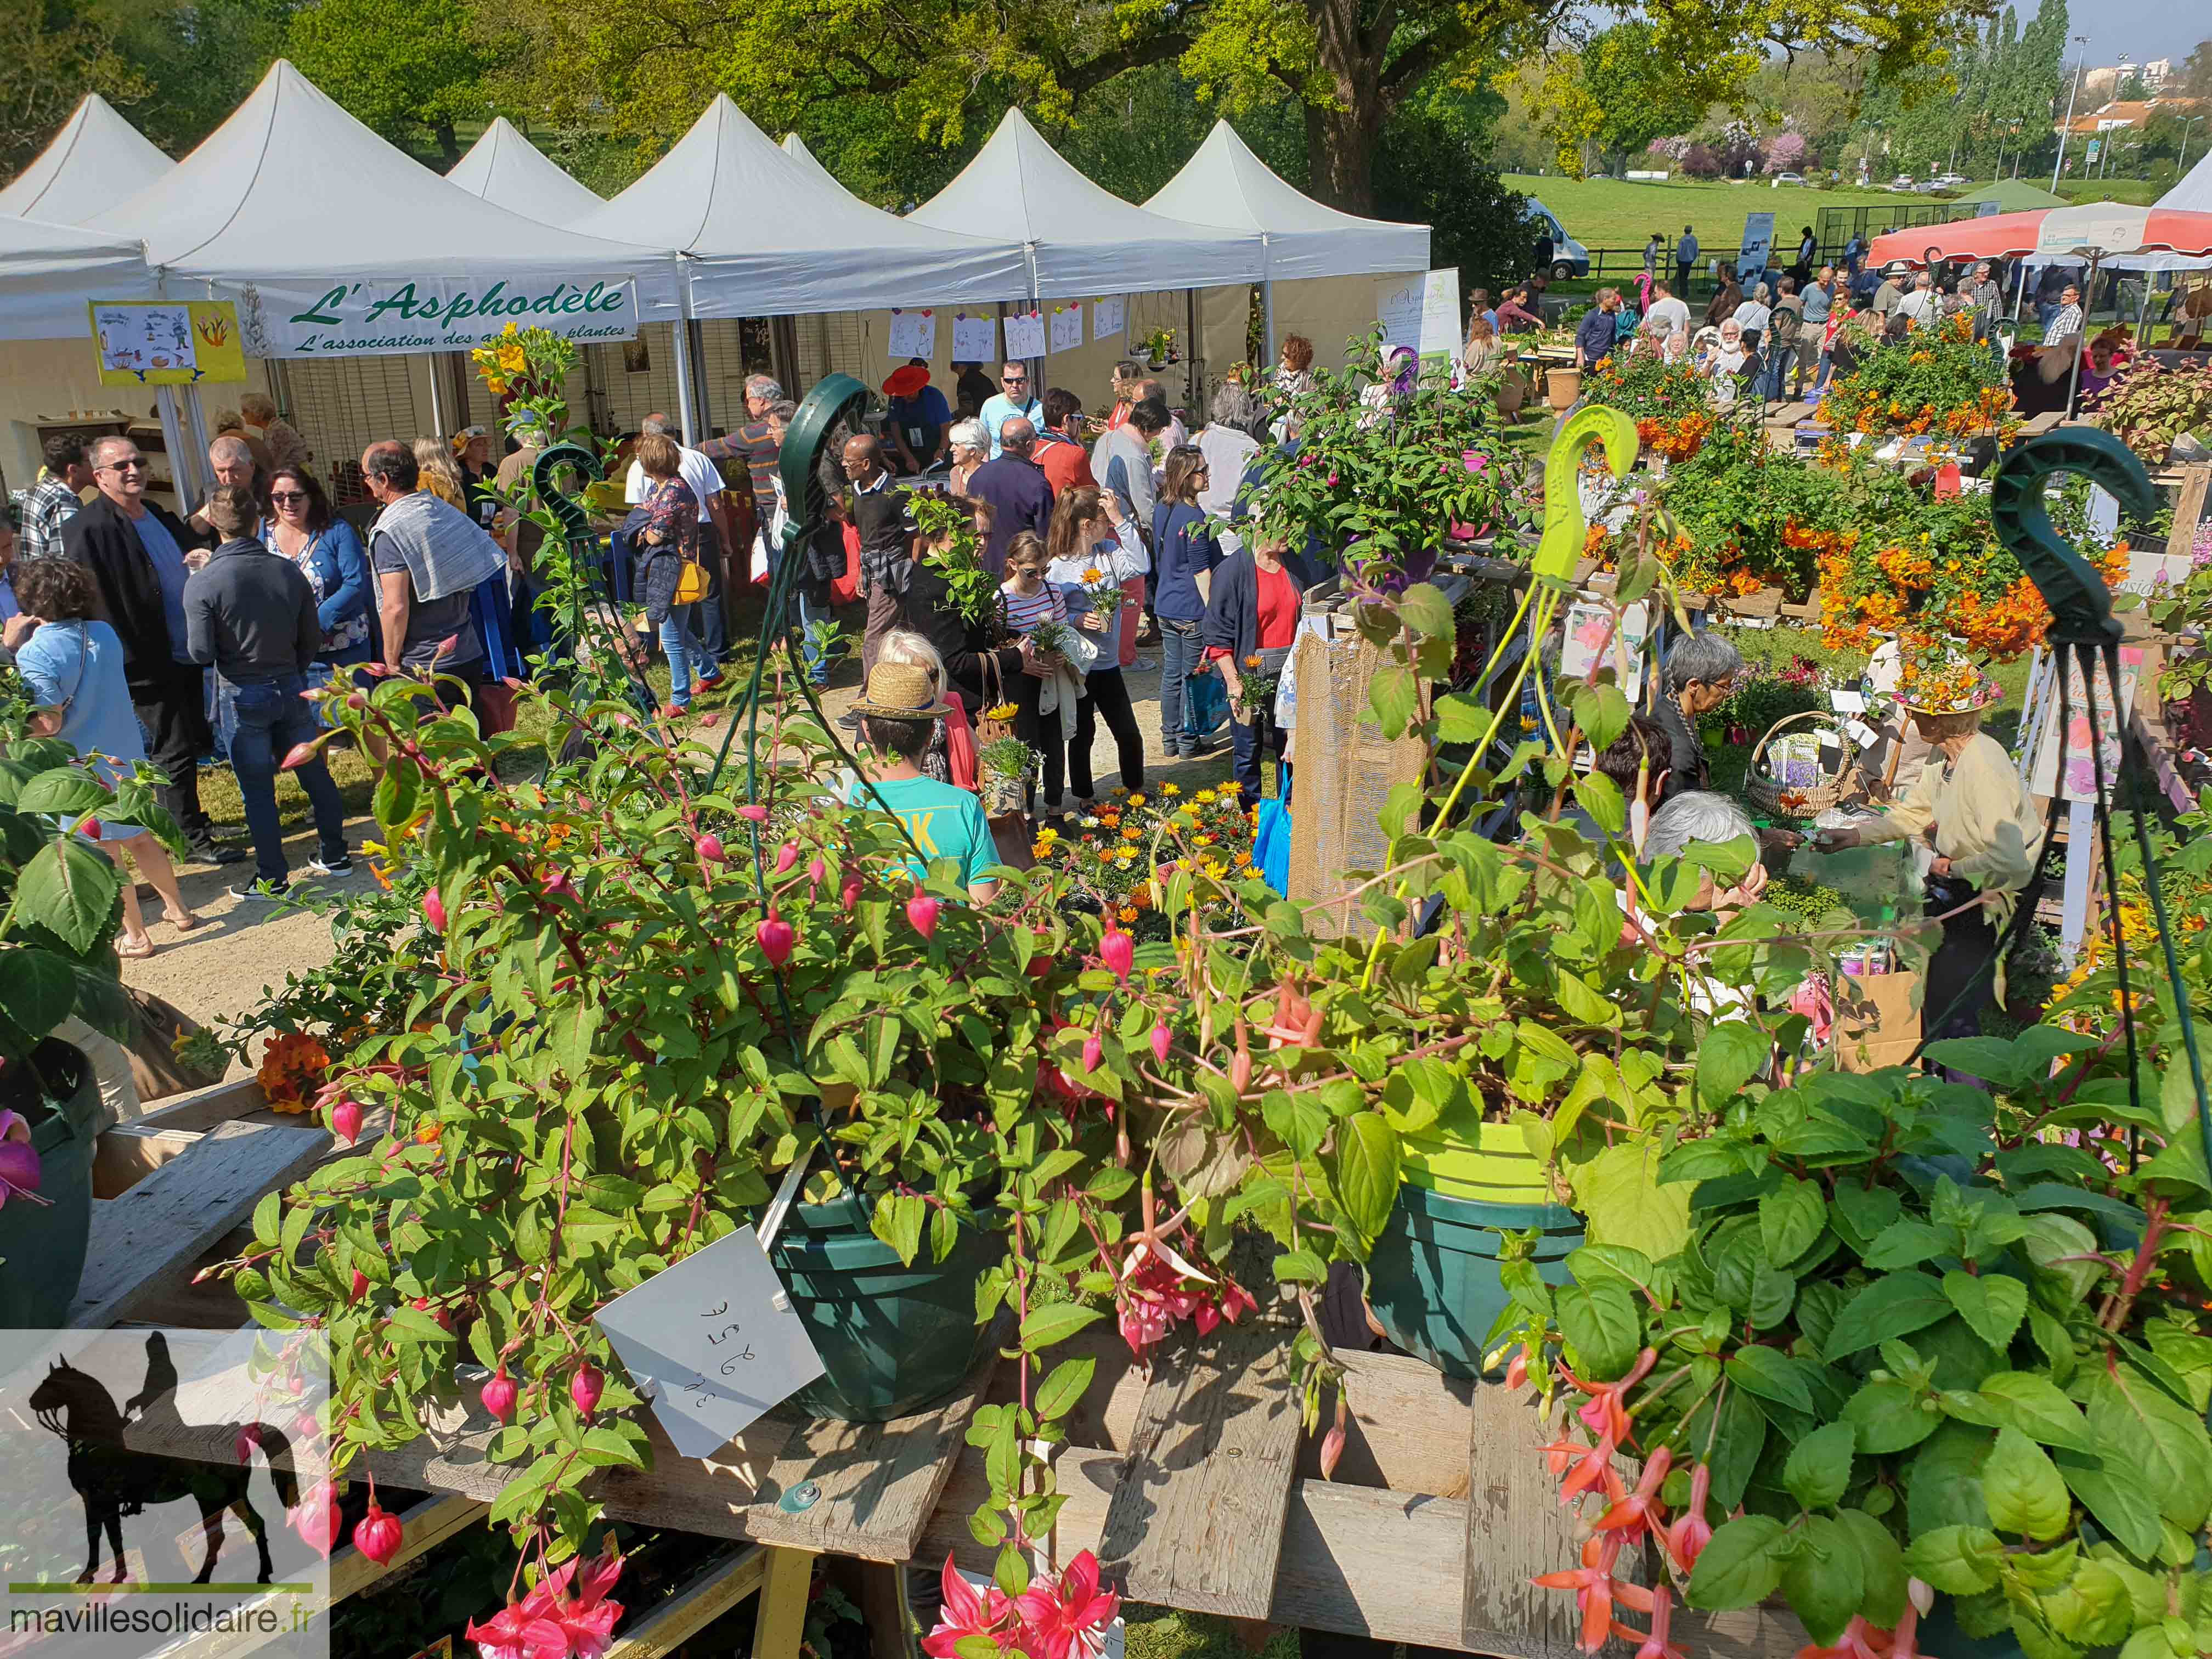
{"points": [[974, 339], [1025, 334], [167, 342], [1109, 317], [1067, 325], [712, 1341], [914, 334]]}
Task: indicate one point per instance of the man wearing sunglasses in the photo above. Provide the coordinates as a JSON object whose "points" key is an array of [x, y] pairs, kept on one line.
{"points": [[139, 554], [1012, 398]]}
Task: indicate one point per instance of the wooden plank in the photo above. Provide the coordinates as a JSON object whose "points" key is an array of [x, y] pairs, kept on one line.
{"points": [[2188, 508], [710, 1594], [1197, 1520], [424, 1526], [203, 1108], [877, 1483], [149, 1240], [1515, 1528], [125, 1155], [781, 1623], [879, 1589]]}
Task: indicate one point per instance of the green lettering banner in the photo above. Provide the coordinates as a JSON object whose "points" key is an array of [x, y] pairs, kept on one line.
{"points": [[340, 318]]}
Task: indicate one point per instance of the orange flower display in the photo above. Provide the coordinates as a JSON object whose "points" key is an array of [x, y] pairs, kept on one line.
{"points": [[292, 1069]]}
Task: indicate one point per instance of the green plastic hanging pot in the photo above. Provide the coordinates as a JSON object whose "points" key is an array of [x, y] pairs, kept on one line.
{"points": [[1432, 1280], [893, 1339], [43, 1246]]}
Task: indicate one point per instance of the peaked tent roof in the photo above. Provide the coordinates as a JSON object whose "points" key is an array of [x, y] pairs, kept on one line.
{"points": [[2192, 192], [96, 160], [47, 273], [1083, 239], [770, 237], [795, 147], [292, 192], [2012, 196], [1224, 183], [507, 170]]}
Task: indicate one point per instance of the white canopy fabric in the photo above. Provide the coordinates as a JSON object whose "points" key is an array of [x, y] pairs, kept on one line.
{"points": [[337, 244], [795, 147], [95, 160], [507, 170], [1224, 183], [2192, 193], [767, 238], [48, 273], [1082, 239]]}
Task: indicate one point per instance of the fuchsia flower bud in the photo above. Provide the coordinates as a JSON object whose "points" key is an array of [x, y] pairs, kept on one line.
{"points": [[1161, 1040], [586, 1387], [1118, 951], [777, 939], [850, 894], [378, 1535], [434, 910], [709, 848], [345, 1120], [1094, 1053], [499, 1394], [786, 856], [754, 810], [922, 911]]}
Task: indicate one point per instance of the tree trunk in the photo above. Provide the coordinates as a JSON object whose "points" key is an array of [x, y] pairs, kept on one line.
{"points": [[449, 144], [1341, 143]]}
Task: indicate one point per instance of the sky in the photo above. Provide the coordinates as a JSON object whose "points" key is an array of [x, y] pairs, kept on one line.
{"points": [[2144, 29]]}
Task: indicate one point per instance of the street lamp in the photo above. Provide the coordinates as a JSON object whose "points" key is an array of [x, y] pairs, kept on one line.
{"points": [[2080, 42], [2181, 163]]}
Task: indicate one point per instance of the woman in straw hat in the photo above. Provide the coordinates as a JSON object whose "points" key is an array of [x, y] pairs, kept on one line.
{"points": [[1969, 806], [898, 711]]}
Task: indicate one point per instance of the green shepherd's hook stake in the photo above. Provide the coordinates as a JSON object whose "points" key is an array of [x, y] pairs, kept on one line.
{"points": [[583, 545], [1565, 526], [2082, 623]]}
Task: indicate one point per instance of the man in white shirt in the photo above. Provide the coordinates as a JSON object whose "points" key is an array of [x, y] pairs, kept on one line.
{"points": [[1920, 304], [705, 478], [1675, 312], [1012, 399]]}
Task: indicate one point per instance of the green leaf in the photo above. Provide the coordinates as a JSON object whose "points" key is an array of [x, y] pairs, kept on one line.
{"points": [[1896, 1304], [1824, 1579], [1057, 1394], [1790, 1217], [1956, 1560], [65, 792], [1601, 1325], [1862, 1213], [1619, 1192], [1392, 694], [1367, 1170], [2022, 1488], [2029, 1402], [69, 890], [2122, 1508], [1423, 608], [1943, 1486], [38, 989], [1729, 1057], [1739, 1566], [1993, 1306], [2140, 1428], [2091, 1607], [1300, 1267], [1820, 1466], [1888, 1418], [1883, 1565], [1054, 1322], [1906, 1244], [1602, 799], [1770, 1375]]}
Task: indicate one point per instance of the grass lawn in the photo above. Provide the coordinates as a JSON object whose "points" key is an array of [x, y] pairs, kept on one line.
{"points": [[1615, 213]]}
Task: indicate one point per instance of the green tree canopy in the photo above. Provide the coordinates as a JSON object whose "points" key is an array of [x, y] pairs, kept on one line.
{"points": [[401, 69]]}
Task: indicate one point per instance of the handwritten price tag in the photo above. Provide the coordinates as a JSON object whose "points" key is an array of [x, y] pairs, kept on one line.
{"points": [[712, 1342]]}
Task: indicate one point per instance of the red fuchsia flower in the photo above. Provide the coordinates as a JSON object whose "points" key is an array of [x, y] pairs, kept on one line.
{"points": [[523, 1630], [248, 1438], [1117, 951], [378, 1535], [1069, 1617], [921, 912], [776, 937], [967, 1611], [1162, 1039], [1860, 1640], [1686, 1538], [434, 911], [786, 856], [345, 1120], [1606, 1413], [1232, 1303], [709, 848], [586, 1387], [753, 810], [499, 1394], [315, 1517], [1596, 1589], [1640, 1511], [816, 870], [1655, 1646], [1094, 1053], [586, 1619], [850, 894]]}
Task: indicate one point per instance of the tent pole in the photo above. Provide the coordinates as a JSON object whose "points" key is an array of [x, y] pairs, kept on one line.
{"points": [[1268, 308], [195, 426], [1193, 366], [2074, 373], [184, 478], [680, 338], [437, 403], [2142, 317]]}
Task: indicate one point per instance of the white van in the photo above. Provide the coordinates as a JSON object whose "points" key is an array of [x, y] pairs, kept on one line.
{"points": [[1570, 258]]}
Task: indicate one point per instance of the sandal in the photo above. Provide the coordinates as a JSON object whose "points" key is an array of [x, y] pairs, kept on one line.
{"points": [[186, 922], [125, 948]]}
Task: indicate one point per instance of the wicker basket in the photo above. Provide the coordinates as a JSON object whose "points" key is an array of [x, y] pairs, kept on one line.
{"points": [[1775, 798], [989, 731]]}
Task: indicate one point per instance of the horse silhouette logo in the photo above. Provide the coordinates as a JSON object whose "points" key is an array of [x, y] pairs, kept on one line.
{"points": [[114, 1481]]}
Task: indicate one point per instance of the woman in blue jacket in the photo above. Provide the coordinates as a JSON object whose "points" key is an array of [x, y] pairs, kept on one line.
{"points": [[329, 553], [1184, 554]]}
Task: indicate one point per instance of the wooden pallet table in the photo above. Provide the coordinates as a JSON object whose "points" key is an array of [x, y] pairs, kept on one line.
{"points": [[1194, 1483]]}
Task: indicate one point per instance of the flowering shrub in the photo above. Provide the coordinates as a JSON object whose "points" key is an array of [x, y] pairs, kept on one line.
{"points": [[1670, 402], [1936, 380], [2149, 405], [292, 1068], [1116, 855]]}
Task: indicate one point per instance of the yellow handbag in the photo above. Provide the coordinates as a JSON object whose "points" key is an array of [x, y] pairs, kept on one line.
{"points": [[692, 586]]}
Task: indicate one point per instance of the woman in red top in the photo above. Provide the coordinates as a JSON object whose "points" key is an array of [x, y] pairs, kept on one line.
{"points": [[1251, 618]]}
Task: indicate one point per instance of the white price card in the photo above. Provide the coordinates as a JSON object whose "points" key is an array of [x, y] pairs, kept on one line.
{"points": [[1025, 334], [914, 334], [974, 339], [1109, 317], [1844, 702], [712, 1341], [1067, 325]]}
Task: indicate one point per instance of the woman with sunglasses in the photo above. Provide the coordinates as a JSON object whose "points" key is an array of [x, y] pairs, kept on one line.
{"points": [[302, 528]]}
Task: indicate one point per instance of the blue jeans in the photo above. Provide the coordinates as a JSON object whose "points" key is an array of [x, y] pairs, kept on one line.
{"points": [[1779, 362], [1181, 651], [2044, 312], [1254, 741], [675, 643], [261, 723], [809, 613]]}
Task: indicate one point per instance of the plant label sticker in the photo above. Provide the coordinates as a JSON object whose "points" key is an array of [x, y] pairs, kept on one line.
{"points": [[712, 1342]]}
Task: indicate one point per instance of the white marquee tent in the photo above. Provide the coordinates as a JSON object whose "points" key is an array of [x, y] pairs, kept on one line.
{"points": [[766, 238], [795, 147], [48, 272], [1083, 240], [94, 162], [507, 170]]}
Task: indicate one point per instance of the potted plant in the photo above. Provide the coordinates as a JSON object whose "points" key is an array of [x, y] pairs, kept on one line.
{"points": [[1929, 1363], [60, 900], [1005, 768]]}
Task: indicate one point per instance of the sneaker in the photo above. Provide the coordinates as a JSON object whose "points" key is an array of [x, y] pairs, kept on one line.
{"points": [[1142, 665], [707, 682], [668, 711], [262, 892], [337, 866], [208, 850]]}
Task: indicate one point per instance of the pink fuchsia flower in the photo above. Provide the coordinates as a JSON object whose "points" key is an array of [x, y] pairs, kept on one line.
{"points": [[1592, 1470], [1473, 461], [1686, 1538], [520, 1631], [1596, 1589], [1640, 1511], [1069, 1617], [587, 1618], [1654, 1645], [967, 1611], [1606, 1412]]}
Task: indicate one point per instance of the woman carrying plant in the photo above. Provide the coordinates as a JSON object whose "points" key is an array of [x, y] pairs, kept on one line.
{"points": [[302, 528], [1969, 806], [1095, 547], [1183, 540], [1251, 620], [665, 543], [72, 663]]}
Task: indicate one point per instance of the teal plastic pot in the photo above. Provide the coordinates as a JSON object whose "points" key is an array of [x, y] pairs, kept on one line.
{"points": [[894, 1340], [43, 1246], [1432, 1280], [1940, 1637]]}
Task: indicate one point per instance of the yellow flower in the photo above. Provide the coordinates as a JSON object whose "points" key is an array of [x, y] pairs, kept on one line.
{"points": [[1128, 913], [427, 1132], [1170, 789], [1047, 834], [1132, 834], [1137, 799], [1215, 868], [1204, 798]]}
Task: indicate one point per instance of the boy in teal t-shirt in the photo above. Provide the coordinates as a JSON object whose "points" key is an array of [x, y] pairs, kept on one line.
{"points": [[896, 713]]}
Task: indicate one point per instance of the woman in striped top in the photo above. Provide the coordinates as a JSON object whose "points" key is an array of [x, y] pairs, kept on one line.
{"points": [[1029, 599]]}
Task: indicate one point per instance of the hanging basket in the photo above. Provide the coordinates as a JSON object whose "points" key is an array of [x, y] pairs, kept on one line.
{"points": [[1776, 795]]}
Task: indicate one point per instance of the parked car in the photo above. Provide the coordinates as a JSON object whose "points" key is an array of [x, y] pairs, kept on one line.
{"points": [[1788, 178], [1570, 258], [1950, 180], [1903, 181]]}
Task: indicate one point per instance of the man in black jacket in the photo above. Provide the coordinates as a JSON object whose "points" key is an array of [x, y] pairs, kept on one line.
{"points": [[140, 556], [251, 614]]}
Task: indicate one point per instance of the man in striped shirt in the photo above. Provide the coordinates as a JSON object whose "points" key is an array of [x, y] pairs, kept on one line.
{"points": [[54, 500]]}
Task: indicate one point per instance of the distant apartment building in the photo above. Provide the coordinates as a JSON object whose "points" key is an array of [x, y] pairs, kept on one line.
{"points": [[2131, 112]]}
